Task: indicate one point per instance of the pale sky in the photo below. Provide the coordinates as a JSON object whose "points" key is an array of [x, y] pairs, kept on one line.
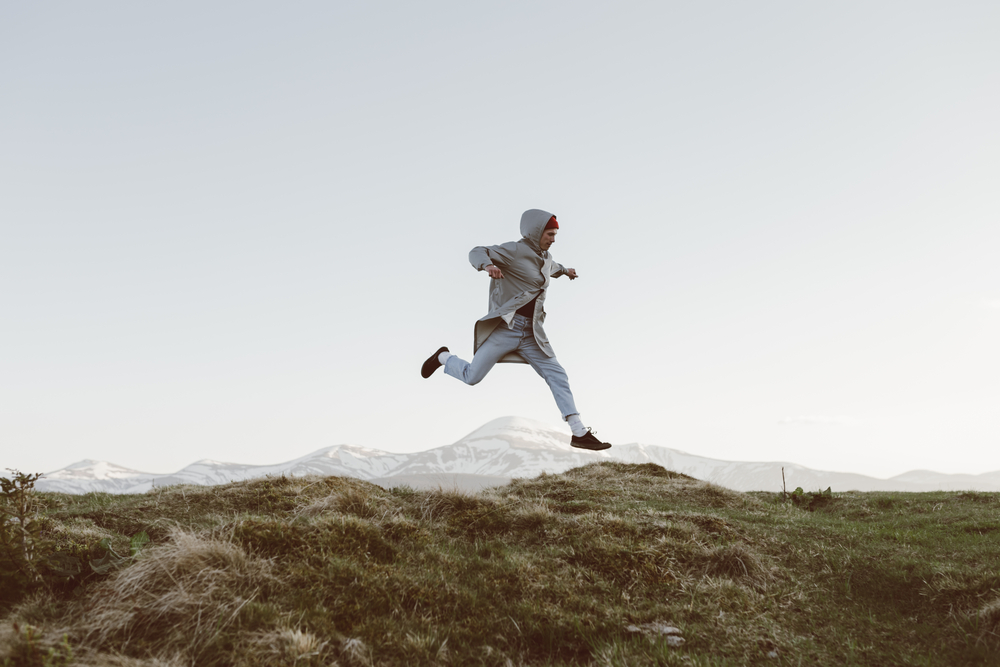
{"points": [[234, 230]]}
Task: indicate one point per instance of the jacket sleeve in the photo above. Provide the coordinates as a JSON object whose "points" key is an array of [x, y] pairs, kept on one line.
{"points": [[558, 270], [501, 255]]}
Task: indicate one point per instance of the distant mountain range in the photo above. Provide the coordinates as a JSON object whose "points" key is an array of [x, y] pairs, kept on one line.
{"points": [[494, 454]]}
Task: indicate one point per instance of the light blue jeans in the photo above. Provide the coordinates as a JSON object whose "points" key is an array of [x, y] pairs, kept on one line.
{"points": [[520, 338]]}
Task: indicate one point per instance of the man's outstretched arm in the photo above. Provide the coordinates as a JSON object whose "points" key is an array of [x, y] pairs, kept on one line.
{"points": [[561, 270]]}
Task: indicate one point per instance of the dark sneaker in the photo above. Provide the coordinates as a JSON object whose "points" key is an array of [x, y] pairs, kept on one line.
{"points": [[588, 441], [432, 363]]}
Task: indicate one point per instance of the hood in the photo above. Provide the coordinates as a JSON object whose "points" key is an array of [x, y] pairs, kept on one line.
{"points": [[533, 223]]}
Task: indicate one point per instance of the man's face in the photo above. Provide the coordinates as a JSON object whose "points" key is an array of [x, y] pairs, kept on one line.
{"points": [[548, 238]]}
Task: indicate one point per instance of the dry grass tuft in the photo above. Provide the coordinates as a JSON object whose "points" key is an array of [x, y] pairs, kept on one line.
{"points": [[183, 593], [285, 646], [738, 562], [365, 503], [716, 496], [442, 504], [37, 608], [355, 653]]}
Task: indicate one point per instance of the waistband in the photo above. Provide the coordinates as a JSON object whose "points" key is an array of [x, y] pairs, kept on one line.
{"points": [[521, 319]]}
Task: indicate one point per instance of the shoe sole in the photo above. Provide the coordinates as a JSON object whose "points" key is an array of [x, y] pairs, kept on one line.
{"points": [[431, 364], [588, 448]]}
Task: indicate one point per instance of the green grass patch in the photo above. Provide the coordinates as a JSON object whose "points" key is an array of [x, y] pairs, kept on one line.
{"points": [[582, 568]]}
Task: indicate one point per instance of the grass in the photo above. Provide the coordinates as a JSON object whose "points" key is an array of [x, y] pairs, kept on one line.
{"points": [[580, 568]]}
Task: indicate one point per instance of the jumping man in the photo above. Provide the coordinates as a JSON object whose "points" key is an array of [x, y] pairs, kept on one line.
{"points": [[512, 331]]}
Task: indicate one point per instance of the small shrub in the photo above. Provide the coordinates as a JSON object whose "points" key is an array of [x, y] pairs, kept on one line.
{"points": [[22, 550], [811, 501]]}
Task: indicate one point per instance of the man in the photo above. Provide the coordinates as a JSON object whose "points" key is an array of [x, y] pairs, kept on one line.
{"points": [[512, 331]]}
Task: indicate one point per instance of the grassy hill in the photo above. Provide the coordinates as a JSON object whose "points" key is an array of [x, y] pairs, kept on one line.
{"points": [[596, 566]]}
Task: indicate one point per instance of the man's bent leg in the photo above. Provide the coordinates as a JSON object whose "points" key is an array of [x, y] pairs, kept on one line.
{"points": [[500, 342], [552, 372]]}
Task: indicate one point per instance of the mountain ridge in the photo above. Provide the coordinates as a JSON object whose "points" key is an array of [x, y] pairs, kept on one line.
{"points": [[496, 452]]}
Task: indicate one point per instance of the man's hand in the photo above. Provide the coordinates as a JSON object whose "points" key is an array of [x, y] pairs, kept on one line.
{"points": [[571, 273], [494, 272]]}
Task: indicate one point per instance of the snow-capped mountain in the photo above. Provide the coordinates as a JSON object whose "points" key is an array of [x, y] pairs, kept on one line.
{"points": [[341, 460], [493, 454]]}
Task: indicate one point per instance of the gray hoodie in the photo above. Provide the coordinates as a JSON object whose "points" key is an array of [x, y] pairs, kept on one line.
{"points": [[526, 273]]}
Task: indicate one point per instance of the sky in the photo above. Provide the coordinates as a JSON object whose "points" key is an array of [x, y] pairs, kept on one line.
{"points": [[235, 230]]}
